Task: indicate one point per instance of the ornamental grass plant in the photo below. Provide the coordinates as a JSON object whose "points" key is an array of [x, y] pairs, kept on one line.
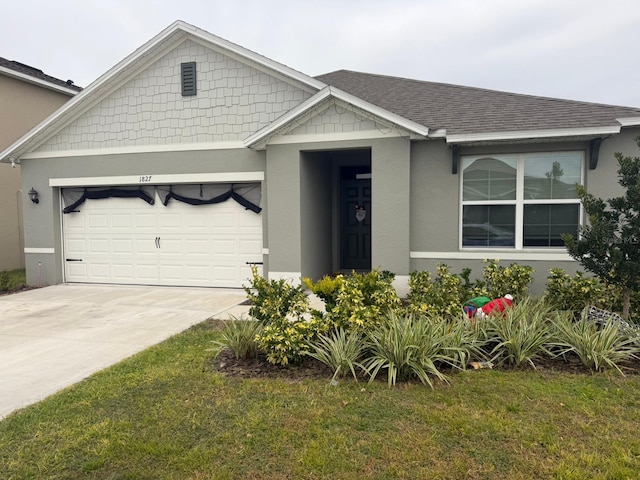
{"points": [[340, 351], [520, 334], [239, 336], [599, 346]]}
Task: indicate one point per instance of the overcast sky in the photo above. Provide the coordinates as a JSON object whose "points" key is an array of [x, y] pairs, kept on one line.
{"points": [[576, 49]]}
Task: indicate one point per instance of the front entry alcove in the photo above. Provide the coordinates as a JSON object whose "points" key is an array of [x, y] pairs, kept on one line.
{"points": [[335, 210]]}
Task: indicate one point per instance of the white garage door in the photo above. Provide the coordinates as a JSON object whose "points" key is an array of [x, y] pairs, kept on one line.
{"points": [[126, 240]]}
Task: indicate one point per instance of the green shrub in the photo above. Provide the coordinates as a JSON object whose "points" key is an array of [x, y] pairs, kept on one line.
{"points": [[285, 342], [520, 335], [514, 279], [275, 299], [327, 288], [340, 351], [239, 336], [362, 300], [440, 296], [565, 292], [599, 347]]}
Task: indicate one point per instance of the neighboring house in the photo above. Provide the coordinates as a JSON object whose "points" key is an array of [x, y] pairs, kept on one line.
{"points": [[27, 96], [343, 171]]}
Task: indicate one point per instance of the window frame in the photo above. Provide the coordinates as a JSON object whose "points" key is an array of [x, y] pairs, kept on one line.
{"points": [[519, 202]]}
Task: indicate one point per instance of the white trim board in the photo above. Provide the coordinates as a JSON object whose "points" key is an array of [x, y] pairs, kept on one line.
{"points": [[163, 179], [39, 250], [175, 147], [526, 134], [497, 254]]}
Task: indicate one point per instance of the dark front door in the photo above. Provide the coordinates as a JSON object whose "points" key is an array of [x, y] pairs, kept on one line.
{"points": [[355, 222]]}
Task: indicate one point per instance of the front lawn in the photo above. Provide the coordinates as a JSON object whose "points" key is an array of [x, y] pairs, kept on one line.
{"points": [[166, 414]]}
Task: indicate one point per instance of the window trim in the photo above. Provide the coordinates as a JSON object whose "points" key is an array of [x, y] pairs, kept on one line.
{"points": [[519, 201]]}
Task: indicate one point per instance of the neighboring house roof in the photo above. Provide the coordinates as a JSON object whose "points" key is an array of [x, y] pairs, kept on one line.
{"points": [[37, 76], [468, 113]]}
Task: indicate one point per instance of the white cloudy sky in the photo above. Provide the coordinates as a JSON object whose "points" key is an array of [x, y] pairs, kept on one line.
{"points": [[578, 49]]}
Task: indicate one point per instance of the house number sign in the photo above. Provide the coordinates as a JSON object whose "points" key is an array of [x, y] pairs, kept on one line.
{"points": [[145, 178], [361, 213]]}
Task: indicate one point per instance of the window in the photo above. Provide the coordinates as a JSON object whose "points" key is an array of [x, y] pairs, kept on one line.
{"points": [[188, 76], [520, 201]]}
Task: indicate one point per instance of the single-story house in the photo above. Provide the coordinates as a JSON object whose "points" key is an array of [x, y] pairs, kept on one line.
{"points": [[194, 158], [27, 96]]}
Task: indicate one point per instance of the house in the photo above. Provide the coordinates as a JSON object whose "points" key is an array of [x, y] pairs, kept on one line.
{"points": [[194, 158], [27, 96]]}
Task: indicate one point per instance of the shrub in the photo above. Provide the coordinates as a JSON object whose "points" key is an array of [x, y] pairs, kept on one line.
{"points": [[285, 342], [407, 346], [362, 300], [239, 336], [12, 280], [327, 288], [275, 299], [521, 334], [599, 347], [564, 292], [514, 279], [340, 351], [440, 296]]}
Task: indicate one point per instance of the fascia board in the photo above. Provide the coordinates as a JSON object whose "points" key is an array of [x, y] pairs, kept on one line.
{"points": [[628, 121], [37, 81], [338, 94], [529, 134]]}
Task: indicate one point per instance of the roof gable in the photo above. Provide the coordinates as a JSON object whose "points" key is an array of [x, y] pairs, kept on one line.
{"points": [[145, 56], [233, 100]]}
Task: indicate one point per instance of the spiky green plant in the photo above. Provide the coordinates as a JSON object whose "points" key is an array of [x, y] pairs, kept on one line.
{"points": [[521, 334], [239, 337], [463, 341], [599, 346], [340, 351], [407, 346]]}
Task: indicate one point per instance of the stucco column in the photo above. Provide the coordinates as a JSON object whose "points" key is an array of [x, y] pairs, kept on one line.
{"points": [[283, 212], [390, 191]]}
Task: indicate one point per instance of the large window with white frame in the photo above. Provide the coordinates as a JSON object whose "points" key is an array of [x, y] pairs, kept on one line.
{"points": [[520, 201]]}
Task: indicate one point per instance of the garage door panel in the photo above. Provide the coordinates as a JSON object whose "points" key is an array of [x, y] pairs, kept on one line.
{"points": [[123, 240]]}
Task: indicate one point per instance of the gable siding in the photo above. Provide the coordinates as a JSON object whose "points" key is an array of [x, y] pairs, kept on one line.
{"points": [[233, 101], [338, 119]]}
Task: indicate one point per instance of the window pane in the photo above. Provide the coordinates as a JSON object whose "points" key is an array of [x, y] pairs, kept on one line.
{"points": [[489, 179], [552, 175], [544, 224], [488, 226]]}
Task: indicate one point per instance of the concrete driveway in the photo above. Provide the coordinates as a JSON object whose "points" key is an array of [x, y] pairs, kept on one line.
{"points": [[55, 336]]}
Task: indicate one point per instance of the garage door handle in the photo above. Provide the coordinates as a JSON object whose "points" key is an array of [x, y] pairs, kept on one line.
{"points": [[157, 242], [73, 259]]}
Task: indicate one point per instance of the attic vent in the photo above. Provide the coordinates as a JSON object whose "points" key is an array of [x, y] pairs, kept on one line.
{"points": [[188, 75]]}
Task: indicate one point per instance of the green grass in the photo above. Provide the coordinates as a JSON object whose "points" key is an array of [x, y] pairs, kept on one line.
{"points": [[11, 280], [163, 414]]}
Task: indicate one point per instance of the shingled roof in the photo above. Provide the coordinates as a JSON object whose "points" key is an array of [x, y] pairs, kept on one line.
{"points": [[37, 74], [468, 110]]}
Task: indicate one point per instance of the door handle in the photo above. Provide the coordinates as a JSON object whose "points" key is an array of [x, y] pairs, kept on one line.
{"points": [[157, 242]]}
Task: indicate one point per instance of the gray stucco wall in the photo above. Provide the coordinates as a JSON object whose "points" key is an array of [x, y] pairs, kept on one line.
{"points": [[43, 221], [435, 198], [288, 205]]}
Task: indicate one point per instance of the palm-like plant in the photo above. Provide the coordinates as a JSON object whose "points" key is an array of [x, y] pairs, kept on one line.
{"points": [[408, 346], [521, 334], [340, 351], [598, 346]]}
